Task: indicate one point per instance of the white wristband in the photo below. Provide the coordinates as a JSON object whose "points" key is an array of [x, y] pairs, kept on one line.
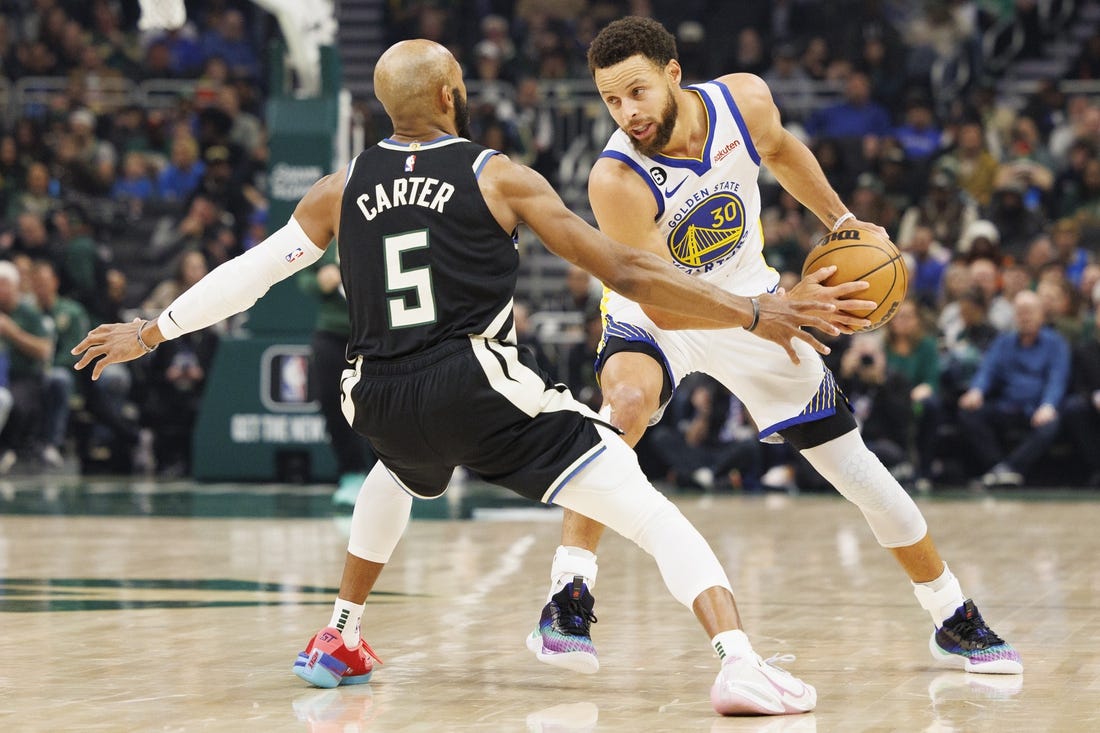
{"points": [[843, 218]]}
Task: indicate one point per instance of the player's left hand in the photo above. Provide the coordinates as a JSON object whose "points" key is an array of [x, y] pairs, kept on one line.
{"points": [[114, 342]]}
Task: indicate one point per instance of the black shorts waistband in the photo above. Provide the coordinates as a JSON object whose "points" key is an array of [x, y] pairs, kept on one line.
{"points": [[415, 362]]}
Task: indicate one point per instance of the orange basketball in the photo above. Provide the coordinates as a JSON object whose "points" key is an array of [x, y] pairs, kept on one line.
{"points": [[862, 254]]}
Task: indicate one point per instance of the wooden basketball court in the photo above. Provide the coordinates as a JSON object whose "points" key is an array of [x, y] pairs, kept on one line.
{"points": [[175, 607]]}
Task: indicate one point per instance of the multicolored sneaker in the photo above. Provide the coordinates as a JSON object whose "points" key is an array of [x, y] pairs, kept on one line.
{"points": [[754, 686], [326, 662], [563, 638], [965, 642]]}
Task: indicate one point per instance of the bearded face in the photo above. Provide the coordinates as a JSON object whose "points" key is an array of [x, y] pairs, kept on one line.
{"points": [[663, 133], [462, 114]]}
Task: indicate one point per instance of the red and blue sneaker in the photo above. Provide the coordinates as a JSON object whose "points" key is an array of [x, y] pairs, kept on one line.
{"points": [[563, 637], [966, 642], [327, 662]]}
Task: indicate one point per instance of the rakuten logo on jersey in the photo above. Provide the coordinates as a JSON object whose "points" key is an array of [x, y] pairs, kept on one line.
{"points": [[727, 150]]}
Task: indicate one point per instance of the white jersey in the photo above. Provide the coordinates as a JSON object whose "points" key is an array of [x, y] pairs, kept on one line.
{"points": [[708, 210]]}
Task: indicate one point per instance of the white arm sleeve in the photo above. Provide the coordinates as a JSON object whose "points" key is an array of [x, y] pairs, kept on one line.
{"points": [[236, 285]]}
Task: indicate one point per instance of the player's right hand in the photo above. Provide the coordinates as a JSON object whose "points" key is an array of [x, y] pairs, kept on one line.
{"points": [[811, 288]]}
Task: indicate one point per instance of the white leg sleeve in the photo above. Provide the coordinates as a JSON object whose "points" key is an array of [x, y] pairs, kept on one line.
{"points": [[860, 477], [615, 492], [380, 516]]}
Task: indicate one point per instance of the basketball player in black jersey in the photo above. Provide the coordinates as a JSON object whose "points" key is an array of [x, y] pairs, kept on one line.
{"points": [[426, 224]]}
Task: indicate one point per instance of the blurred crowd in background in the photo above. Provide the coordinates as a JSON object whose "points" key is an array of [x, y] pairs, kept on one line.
{"points": [[989, 372]]}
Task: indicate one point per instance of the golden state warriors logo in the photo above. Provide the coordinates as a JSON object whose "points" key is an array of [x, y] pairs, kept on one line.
{"points": [[710, 233]]}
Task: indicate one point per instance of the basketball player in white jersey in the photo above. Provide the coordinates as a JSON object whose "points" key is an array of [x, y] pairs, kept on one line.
{"points": [[679, 179], [426, 222]]}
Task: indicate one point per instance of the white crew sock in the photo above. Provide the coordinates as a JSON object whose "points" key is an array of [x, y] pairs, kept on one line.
{"points": [[940, 597], [733, 643], [568, 563], [346, 617]]}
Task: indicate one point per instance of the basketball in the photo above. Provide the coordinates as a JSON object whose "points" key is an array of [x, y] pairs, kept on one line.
{"points": [[862, 254]]}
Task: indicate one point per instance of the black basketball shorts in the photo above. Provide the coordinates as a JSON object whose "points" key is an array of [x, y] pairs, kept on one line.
{"points": [[471, 402]]}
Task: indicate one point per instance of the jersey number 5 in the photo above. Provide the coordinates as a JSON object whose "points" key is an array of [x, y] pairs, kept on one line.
{"points": [[399, 279]]}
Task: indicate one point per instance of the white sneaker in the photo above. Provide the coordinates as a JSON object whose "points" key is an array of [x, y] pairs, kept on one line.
{"points": [[52, 457], [754, 686]]}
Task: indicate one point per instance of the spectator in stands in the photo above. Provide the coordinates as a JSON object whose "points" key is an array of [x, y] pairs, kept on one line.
{"points": [[976, 167], [985, 274], [880, 401], [1069, 184], [911, 352], [707, 442], [534, 129], [71, 325], [135, 186], [945, 209], [855, 117], [1086, 208], [227, 40], [185, 55], [1060, 303], [36, 196], [181, 177], [247, 132], [1010, 413], [190, 268], [926, 259], [792, 89], [964, 353], [176, 379], [1081, 413], [1017, 224], [580, 294], [1066, 237], [527, 336], [219, 184], [33, 240], [580, 360], [26, 336], [919, 135]]}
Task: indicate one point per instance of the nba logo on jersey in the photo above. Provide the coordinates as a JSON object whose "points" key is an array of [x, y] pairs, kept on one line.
{"points": [[410, 163]]}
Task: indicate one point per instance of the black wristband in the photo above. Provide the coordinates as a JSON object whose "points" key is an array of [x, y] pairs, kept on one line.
{"points": [[755, 314]]}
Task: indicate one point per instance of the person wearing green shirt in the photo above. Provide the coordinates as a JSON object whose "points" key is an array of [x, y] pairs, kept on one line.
{"points": [[913, 353], [27, 336], [354, 456]]}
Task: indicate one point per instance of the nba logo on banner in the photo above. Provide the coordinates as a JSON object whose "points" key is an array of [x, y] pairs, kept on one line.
{"points": [[410, 163]]}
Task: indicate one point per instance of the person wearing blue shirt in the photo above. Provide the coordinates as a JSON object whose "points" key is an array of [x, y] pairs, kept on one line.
{"points": [[857, 116], [1018, 388]]}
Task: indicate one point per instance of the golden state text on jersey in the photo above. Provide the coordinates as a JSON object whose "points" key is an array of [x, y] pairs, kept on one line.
{"points": [[708, 207]]}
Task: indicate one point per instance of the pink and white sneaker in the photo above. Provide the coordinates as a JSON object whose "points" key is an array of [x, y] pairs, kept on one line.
{"points": [[753, 686]]}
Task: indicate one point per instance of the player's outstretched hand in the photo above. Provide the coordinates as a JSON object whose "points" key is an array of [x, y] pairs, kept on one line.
{"points": [[114, 342], [840, 296]]}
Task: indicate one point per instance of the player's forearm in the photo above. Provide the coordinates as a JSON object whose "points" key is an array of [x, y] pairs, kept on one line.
{"points": [[647, 279], [798, 171], [671, 321]]}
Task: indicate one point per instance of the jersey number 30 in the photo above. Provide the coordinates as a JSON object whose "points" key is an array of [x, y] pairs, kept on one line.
{"points": [[400, 280]]}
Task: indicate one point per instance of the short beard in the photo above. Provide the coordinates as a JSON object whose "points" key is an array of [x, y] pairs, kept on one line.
{"points": [[462, 114], [664, 129]]}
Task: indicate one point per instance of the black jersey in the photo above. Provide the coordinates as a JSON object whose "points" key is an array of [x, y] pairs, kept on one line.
{"points": [[421, 256]]}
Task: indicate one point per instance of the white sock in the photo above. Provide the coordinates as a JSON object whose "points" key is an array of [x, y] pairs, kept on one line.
{"points": [[733, 643], [346, 617], [940, 597], [570, 562]]}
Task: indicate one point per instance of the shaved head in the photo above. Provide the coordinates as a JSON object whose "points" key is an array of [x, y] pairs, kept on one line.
{"points": [[410, 80]]}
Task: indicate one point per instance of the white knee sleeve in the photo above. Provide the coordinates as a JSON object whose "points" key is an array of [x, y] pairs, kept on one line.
{"points": [[614, 491], [860, 477], [380, 516]]}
